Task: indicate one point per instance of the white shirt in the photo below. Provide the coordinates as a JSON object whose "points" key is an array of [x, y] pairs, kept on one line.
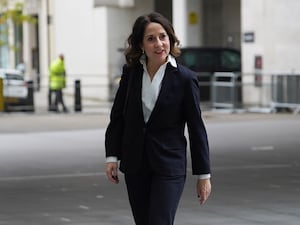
{"points": [[150, 92], [151, 89]]}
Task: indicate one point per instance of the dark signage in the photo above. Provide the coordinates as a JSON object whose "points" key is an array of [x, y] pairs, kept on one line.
{"points": [[249, 37]]}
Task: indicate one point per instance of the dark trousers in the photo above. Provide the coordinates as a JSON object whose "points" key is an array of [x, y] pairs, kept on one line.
{"points": [[154, 198], [50, 101], [59, 99]]}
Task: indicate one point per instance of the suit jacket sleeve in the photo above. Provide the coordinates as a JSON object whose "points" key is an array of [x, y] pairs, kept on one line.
{"points": [[196, 128], [114, 131]]}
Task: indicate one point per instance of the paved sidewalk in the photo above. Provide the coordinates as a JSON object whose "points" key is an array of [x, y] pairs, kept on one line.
{"points": [[89, 105], [95, 114], [255, 162], [97, 118]]}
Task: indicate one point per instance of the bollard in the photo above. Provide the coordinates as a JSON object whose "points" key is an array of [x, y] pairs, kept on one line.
{"points": [[49, 99], [30, 96], [77, 105], [1, 96]]}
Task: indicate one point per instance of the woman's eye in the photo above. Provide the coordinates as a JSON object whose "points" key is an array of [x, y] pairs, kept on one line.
{"points": [[163, 36], [160, 37]]}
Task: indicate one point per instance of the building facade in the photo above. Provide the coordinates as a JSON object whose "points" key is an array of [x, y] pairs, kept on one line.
{"points": [[90, 33]]}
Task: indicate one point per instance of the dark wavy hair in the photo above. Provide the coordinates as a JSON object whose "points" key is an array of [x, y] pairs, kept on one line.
{"points": [[133, 52]]}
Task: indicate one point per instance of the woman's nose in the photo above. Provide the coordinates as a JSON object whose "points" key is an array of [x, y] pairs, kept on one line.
{"points": [[158, 42]]}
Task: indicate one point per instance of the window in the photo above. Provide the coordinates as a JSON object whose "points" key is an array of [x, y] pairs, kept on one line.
{"points": [[230, 60], [4, 49], [199, 60]]}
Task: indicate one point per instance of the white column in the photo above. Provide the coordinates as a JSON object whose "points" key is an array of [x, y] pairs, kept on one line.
{"points": [[180, 20], [11, 35], [194, 23], [26, 50], [31, 7]]}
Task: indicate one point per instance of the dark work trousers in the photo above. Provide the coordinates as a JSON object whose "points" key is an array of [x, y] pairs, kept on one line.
{"points": [[50, 100], [154, 198], [59, 99]]}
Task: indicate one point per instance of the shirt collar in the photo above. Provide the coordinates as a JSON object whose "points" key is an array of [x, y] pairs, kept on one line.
{"points": [[170, 60]]}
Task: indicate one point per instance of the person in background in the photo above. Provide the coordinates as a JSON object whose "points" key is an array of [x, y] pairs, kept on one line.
{"points": [[156, 99], [57, 78]]}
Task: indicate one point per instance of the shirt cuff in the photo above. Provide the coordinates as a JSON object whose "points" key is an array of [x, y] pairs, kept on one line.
{"points": [[204, 176], [111, 159]]}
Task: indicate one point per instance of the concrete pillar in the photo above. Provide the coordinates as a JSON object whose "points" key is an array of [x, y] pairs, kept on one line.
{"points": [[188, 21], [194, 25], [180, 20]]}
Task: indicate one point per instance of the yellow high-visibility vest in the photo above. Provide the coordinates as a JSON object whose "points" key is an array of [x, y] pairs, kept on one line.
{"points": [[57, 75]]}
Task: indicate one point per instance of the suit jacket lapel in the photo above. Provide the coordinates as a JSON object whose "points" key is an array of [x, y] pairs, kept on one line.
{"points": [[165, 87], [136, 93]]}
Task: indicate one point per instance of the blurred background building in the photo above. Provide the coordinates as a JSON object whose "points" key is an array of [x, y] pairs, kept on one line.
{"points": [[91, 34]]}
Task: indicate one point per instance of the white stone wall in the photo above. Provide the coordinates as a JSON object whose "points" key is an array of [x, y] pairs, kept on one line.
{"points": [[80, 33], [120, 22], [277, 35], [180, 20], [90, 37], [194, 23]]}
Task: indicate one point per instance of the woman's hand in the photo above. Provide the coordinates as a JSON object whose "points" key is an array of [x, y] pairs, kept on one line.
{"points": [[112, 172], [203, 189]]}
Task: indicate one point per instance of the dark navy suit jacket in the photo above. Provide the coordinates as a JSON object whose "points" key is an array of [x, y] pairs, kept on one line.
{"points": [[162, 138]]}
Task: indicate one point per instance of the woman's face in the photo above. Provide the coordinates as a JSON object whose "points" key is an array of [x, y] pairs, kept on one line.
{"points": [[156, 44]]}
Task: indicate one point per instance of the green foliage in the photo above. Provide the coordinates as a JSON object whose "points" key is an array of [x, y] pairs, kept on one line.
{"points": [[13, 13]]}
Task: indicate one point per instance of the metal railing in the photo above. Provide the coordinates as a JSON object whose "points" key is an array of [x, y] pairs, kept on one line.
{"points": [[226, 90], [229, 91], [240, 91], [286, 92], [83, 92]]}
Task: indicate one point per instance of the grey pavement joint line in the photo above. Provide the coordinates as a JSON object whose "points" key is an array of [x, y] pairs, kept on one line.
{"points": [[51, 176]]}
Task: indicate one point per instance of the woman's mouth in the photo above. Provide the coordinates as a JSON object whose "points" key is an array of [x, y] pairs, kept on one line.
{"points": [[160, 52]]}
